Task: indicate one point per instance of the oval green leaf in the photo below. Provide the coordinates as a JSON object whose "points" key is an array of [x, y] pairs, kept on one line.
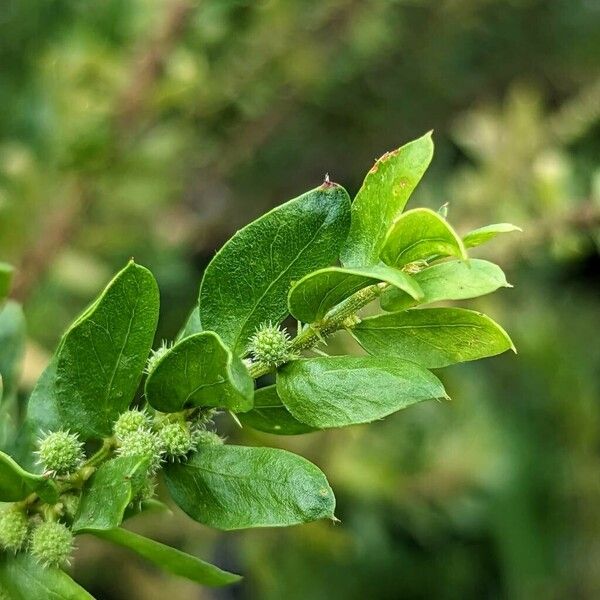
{"points": [[271, 416], [235, 487], [100, 360], [16, 483], [24, 579], [42, 409], [382, 198], [420, 234], [433, 337], [200, 371], [169, 559], [315, 294], [340, 391], [453, 280], [108, 493], [247, 282], [489, 232]]}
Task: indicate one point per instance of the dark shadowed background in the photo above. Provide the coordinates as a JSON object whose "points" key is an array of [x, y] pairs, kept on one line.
{"points": [[156, 128]]}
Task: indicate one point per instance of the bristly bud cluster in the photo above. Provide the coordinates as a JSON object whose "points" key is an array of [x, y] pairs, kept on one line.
{"points": [[51, 544], [60, 453], [131, 421], [206, 438], [70, 504], [156, 355], [270, 345], [14, 526], [177, 440], [144, 443], [204, 417], [135, 437]]}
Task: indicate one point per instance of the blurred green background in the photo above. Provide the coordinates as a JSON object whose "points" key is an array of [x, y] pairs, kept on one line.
{"points": [[156, 128]]}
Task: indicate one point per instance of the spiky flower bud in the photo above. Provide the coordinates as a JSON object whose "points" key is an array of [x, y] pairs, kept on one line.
{"points": [[156, 355], [206, 438], [145, 444], [176, 439], [13, 529], [147, 491], [70, 503], [205, 416], [270, 345], [60, 453], [51, 544], [131, 421]]}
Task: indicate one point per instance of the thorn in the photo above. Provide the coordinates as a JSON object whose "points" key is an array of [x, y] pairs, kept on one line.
{"points": [[236, 420], [319, 352], [327, 181]]}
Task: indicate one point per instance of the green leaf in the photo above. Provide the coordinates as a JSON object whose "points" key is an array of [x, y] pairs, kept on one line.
{"points": [[315, 294], [453, 280], [382, 198], [108, 493], [42, 410], [200, 371], [433, 337], [420, 234], [247, 282], [487, 233], [169, 559], [271, 416], [100, 360], [16, 483], [192, 325], [235, 487], [345, 390], [12, 346], [22, 578], [6, 276]]}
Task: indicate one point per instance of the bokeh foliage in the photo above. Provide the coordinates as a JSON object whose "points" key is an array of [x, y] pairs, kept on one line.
{"points": [[154, 129]]}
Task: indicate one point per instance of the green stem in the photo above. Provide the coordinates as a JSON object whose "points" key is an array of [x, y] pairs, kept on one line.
{"points": [[103, 453], [337, 318]]}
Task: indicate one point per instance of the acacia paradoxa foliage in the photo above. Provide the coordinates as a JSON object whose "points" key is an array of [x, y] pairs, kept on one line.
{"points": [[318, 258]]}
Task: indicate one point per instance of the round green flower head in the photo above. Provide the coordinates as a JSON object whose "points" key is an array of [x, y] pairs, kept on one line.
{"points": [[176, 439], [207, 438], [270, 345], [60, 453], [130, 421], [51, 544], [13, 529], [143, 443]]}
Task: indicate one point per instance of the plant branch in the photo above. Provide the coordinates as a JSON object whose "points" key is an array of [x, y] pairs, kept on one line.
{"points": [[337, 318]]}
